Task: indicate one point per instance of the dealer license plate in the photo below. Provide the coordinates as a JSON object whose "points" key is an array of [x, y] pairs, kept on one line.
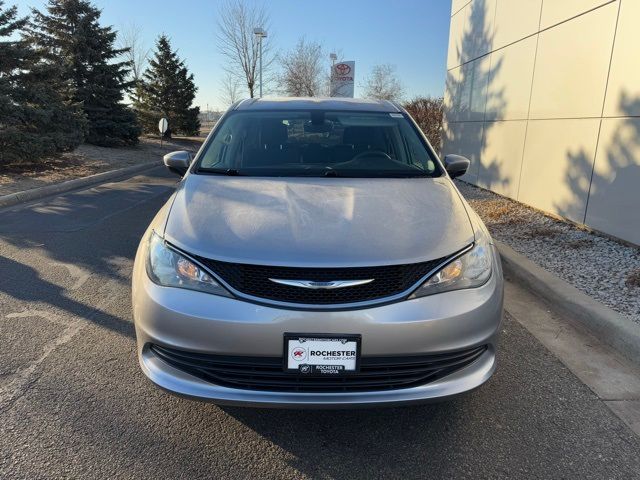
{"points": [[318, 354]]}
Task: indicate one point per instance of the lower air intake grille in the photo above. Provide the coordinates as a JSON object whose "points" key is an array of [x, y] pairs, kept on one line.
{"points": [[266, 373]]}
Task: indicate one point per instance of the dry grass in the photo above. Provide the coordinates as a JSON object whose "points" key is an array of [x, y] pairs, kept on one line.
{"points": [[633, 279], [87, 160], [497, 211]]}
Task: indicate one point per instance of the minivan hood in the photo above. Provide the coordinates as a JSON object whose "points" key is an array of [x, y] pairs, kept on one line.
{"points": [[315, 222]]}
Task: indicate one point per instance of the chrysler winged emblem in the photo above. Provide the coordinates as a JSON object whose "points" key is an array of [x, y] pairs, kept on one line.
{"points": [[321, 285]]}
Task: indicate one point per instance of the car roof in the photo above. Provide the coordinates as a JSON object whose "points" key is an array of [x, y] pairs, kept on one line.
{"points": [[317, 103]]}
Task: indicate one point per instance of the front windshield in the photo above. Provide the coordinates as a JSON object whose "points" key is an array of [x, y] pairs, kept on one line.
{"points": [[317, 143]]}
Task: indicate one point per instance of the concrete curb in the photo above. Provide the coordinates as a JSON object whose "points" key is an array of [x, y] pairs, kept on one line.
{"points": [[57, 188], [609, 326]]}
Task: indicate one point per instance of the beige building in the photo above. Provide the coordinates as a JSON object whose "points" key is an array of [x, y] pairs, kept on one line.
{"points": [[543, 96]]}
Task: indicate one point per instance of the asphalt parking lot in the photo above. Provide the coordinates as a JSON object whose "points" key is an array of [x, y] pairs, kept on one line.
{"points": [[73, 402]]}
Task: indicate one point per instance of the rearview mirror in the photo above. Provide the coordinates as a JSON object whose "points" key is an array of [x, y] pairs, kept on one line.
{"points": [[324, 127], [178, 162], [456, 165]]}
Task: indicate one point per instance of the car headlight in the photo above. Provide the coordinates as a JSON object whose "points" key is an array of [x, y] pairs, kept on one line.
{"points": [[168, 268], [469, 270]]}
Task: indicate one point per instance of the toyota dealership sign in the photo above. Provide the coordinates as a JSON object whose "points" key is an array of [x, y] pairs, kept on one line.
{"points": [[342, 79]]}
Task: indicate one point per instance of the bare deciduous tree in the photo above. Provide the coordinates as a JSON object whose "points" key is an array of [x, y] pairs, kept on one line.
{"points": [[383, 83], [303, 70], [238, 43], [230, 89], [428, 114], [130, 37]]}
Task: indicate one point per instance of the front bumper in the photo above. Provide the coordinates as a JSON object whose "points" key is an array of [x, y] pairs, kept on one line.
{"points": [[181, 383], [200, 322]]}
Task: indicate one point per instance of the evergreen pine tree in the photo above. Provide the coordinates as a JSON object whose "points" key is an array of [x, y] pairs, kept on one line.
{"points": [[70, 33], [168, 90], [35, 120]]}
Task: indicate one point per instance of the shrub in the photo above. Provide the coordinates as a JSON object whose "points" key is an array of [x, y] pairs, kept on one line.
{"points": [[428, 112]]}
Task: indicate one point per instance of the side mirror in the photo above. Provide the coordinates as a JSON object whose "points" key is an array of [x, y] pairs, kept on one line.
{"points": [[178, 162], [456, 165]]}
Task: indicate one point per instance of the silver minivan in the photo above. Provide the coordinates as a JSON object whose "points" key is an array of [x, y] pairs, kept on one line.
{"points": [[316, 253]]}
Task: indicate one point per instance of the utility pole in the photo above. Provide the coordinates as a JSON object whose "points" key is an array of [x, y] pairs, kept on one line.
{"points": [[260, 33], [333, 58]]}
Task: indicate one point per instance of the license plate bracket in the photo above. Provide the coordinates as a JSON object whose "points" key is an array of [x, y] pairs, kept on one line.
{"points": [[322, 354]]}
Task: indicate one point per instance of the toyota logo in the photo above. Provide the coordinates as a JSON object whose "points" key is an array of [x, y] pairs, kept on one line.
{"points": [[343, 69]]}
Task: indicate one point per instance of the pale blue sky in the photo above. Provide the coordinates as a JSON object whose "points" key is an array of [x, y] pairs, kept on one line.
{"points": [[410, 34]]}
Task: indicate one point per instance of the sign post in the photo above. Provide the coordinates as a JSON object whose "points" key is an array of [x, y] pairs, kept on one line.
{"points": [[342, 79], [163, 125]]}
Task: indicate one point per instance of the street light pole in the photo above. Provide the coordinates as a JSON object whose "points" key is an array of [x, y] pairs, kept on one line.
{"points": [[260, 34], [333, 58], [260, 67]]}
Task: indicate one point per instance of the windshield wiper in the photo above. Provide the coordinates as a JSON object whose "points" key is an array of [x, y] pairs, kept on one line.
{"points": [[353, 173], [232, 172]]}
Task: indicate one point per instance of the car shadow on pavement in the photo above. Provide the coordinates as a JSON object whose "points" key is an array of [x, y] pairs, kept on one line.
{"points": [[396, 442]]}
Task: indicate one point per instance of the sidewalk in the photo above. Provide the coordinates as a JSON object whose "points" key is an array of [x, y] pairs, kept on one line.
{"points": [[611, 377]]}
